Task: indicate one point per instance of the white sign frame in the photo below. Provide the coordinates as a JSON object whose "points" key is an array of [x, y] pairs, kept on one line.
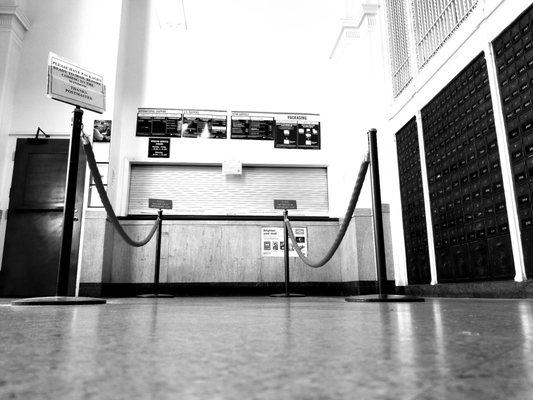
{"points": [[72, 84]]}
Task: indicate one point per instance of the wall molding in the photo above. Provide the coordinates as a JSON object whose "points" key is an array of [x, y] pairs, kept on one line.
{"points": [[436, 67], [13, 19], [351, 27], [53, 135]]}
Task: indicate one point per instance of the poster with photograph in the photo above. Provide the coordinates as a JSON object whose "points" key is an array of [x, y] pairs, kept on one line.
{"points": [[102, 130], [205, 124], [273, 243]]}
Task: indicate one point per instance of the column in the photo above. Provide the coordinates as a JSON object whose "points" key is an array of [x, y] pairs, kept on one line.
{"points": [[13, 26]]}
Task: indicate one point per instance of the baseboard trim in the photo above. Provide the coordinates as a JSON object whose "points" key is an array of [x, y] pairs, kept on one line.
{"points": [[487, 289], [233, 288]]}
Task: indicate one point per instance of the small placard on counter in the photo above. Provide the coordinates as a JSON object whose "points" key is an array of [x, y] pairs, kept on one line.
{"points": [[285, 205], [158, 148], [160, 204], [273, 242]]}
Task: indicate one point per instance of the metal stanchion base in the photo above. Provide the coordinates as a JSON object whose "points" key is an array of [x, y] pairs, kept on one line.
{"points": [[57, 301], [384, 298], [287, 295], [155, 295]]}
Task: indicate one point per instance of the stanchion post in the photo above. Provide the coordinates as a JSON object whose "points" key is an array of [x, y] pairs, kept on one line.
{"points": [[286, 260], [381, 263], [70, 205], [286, 251], [379, 241], [157, 264], [158, 251]]}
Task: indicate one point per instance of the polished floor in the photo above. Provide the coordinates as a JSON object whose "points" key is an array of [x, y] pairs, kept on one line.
{"points": [[268, 348]]}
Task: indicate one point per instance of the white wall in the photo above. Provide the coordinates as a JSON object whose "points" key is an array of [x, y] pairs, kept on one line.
{"points": [[13, 26], [257, 56], [279, 48], [84, 31], [235, 55]]}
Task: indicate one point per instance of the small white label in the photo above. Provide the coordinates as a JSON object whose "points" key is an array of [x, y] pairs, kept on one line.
{"points": [[232, 167]]}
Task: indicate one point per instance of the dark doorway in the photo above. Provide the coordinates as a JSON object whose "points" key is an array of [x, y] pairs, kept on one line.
{"points": [[35, 219]]}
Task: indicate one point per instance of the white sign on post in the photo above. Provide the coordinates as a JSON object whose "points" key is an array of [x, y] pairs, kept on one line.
{"points": [[74, 85], [273, 242]]}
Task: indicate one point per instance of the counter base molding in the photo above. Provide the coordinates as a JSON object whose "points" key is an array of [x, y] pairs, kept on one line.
{"points": [[234, 289]]}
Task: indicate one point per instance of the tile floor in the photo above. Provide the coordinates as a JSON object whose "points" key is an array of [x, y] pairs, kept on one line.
{"points": [[265, 348]]}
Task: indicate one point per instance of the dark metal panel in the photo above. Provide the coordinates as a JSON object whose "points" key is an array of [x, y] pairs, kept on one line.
{"points": [[513, 50], [465, 182], [413, 211]]}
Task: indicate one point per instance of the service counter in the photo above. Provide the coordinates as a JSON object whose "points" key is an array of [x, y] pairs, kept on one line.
{"points": [[223, 255]]}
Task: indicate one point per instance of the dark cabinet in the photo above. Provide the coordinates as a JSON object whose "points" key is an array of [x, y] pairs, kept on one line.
{"points": [[465, 183], [513, 50], [413, 212]]}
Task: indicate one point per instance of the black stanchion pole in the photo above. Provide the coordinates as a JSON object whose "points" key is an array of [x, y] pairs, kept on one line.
{"points": [[379, 241], [286, 261], [286, 252], [158, 252], [70, 205], [377, 217], [62, 296], [157, 260]]}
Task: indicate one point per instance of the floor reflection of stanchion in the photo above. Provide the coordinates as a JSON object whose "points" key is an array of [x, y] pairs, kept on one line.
{"points": [[379, 246], [286, 261], [157, 261]]}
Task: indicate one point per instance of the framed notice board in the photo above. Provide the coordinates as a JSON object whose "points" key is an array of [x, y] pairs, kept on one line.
{"points": [[297, 131], [308, 135], [252, 125], [159, 122], [204, 124], [158, 148]]}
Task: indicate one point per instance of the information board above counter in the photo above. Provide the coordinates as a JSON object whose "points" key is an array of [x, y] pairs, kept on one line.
{"points": [[254, 126], [158, 148], [287, 131], [159, 122], [206, 124], [297, 131]]}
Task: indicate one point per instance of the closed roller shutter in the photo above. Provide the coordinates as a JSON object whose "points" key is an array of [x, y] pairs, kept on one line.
{"points": [[204, 190]]}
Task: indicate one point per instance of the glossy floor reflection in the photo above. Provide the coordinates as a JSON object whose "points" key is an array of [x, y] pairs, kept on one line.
{"points": [[265, 348]]}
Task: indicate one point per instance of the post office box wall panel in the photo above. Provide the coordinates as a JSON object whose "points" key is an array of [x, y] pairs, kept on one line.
{"points": [[466, 187], [413, 209], [513, 51]]}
